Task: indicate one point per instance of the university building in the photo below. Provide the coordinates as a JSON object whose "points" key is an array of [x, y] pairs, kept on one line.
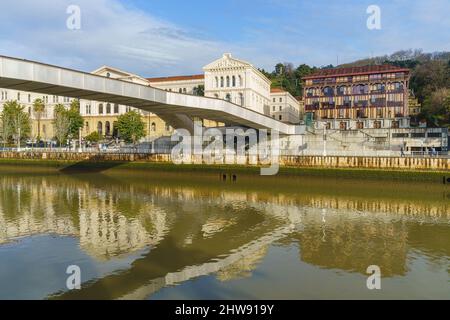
{"points": [[359, 97]]}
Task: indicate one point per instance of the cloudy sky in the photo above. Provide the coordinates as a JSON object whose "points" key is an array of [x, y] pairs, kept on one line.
{"points": [[174, 37]]}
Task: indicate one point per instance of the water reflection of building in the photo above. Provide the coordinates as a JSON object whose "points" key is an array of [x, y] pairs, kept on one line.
{"points": [[104, 231], [354, 240], [195, 231]]}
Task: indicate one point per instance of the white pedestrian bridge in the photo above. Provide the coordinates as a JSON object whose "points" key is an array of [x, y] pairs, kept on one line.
{"points": [[175, 108]]}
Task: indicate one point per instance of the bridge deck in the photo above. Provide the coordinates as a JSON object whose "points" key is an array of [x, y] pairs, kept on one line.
{"points": [[37, 77]]}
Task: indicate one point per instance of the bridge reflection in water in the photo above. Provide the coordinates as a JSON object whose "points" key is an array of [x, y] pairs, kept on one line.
{"points": [[188, 227]]}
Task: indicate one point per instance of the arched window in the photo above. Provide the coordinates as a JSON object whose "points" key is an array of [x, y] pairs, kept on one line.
{"points": [[228, 97], [361, 89], [328, 91], [398, 86], [115, 130], [108, 108], [222, 82], [240, 84], [217, 82], [107, 128], [18, 96], [228, 81], [234, 81], [341, 90], [378, 88], [100, 128], [100, 108], [241, 99], [153, 127], [116, 108]]}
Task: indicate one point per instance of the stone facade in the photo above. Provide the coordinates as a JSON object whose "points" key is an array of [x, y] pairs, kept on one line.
{"points": [[284, 107], [239, 82]]}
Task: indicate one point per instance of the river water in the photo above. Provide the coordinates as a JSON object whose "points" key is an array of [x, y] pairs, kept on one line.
{"points": [[194, 236]]}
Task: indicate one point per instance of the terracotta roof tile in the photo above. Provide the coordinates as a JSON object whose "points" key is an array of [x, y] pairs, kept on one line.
{"points": [[177, 78], [355, 71]]}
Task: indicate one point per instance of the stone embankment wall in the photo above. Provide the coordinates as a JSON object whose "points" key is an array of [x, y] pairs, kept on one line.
{"points": [[385, 163]]}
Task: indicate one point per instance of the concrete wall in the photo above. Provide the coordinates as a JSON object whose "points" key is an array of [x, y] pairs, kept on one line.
{"points": [[385, 163]]}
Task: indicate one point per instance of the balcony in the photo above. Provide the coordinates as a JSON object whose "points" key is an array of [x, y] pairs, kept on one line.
{"points": [[395, 103], [310, 107], [378, 103], [328, 105], [361, 104], [400, 90]]}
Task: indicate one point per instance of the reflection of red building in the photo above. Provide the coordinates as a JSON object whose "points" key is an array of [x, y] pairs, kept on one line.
{"points": [[359, 97]]}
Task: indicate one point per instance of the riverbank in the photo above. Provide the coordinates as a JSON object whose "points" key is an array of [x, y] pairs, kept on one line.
{"points": [[227, 172]]}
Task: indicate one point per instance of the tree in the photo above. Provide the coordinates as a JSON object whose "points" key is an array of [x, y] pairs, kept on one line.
{"points": [[16, 122], [93, 137], [199, 90], [38, 109], [436, 108], [61, 123], [67, 122], [75, 118], [131, 127], [279, 69]]}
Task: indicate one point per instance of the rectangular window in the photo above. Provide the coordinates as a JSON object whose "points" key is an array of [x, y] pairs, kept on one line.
{"points": [[400, 135], [434, 134], [418, 135]]}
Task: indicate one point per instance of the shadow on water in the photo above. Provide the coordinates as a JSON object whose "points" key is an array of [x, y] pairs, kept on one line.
{"points": [[91, 165]]}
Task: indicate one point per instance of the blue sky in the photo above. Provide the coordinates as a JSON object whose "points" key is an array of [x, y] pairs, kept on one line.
{"points": [[173, 37]]}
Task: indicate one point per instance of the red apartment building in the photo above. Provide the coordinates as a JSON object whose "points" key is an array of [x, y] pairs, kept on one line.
{"points": [[358, 97]]}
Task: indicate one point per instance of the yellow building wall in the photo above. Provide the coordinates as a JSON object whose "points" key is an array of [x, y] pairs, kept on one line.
{"points": [[155, 127]]}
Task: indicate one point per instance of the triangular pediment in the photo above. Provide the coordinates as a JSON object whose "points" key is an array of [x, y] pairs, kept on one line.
{"points": [[227, 61], [102, 71], [115, 73]]}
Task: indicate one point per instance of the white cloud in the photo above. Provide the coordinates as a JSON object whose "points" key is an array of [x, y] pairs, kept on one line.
{"points": [[311, 32], [110, 34]]}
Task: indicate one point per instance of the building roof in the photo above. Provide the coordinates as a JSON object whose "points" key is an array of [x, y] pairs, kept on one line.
{"points": [[277, 90], [123, 74], [341, 72], [177, 78]]}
